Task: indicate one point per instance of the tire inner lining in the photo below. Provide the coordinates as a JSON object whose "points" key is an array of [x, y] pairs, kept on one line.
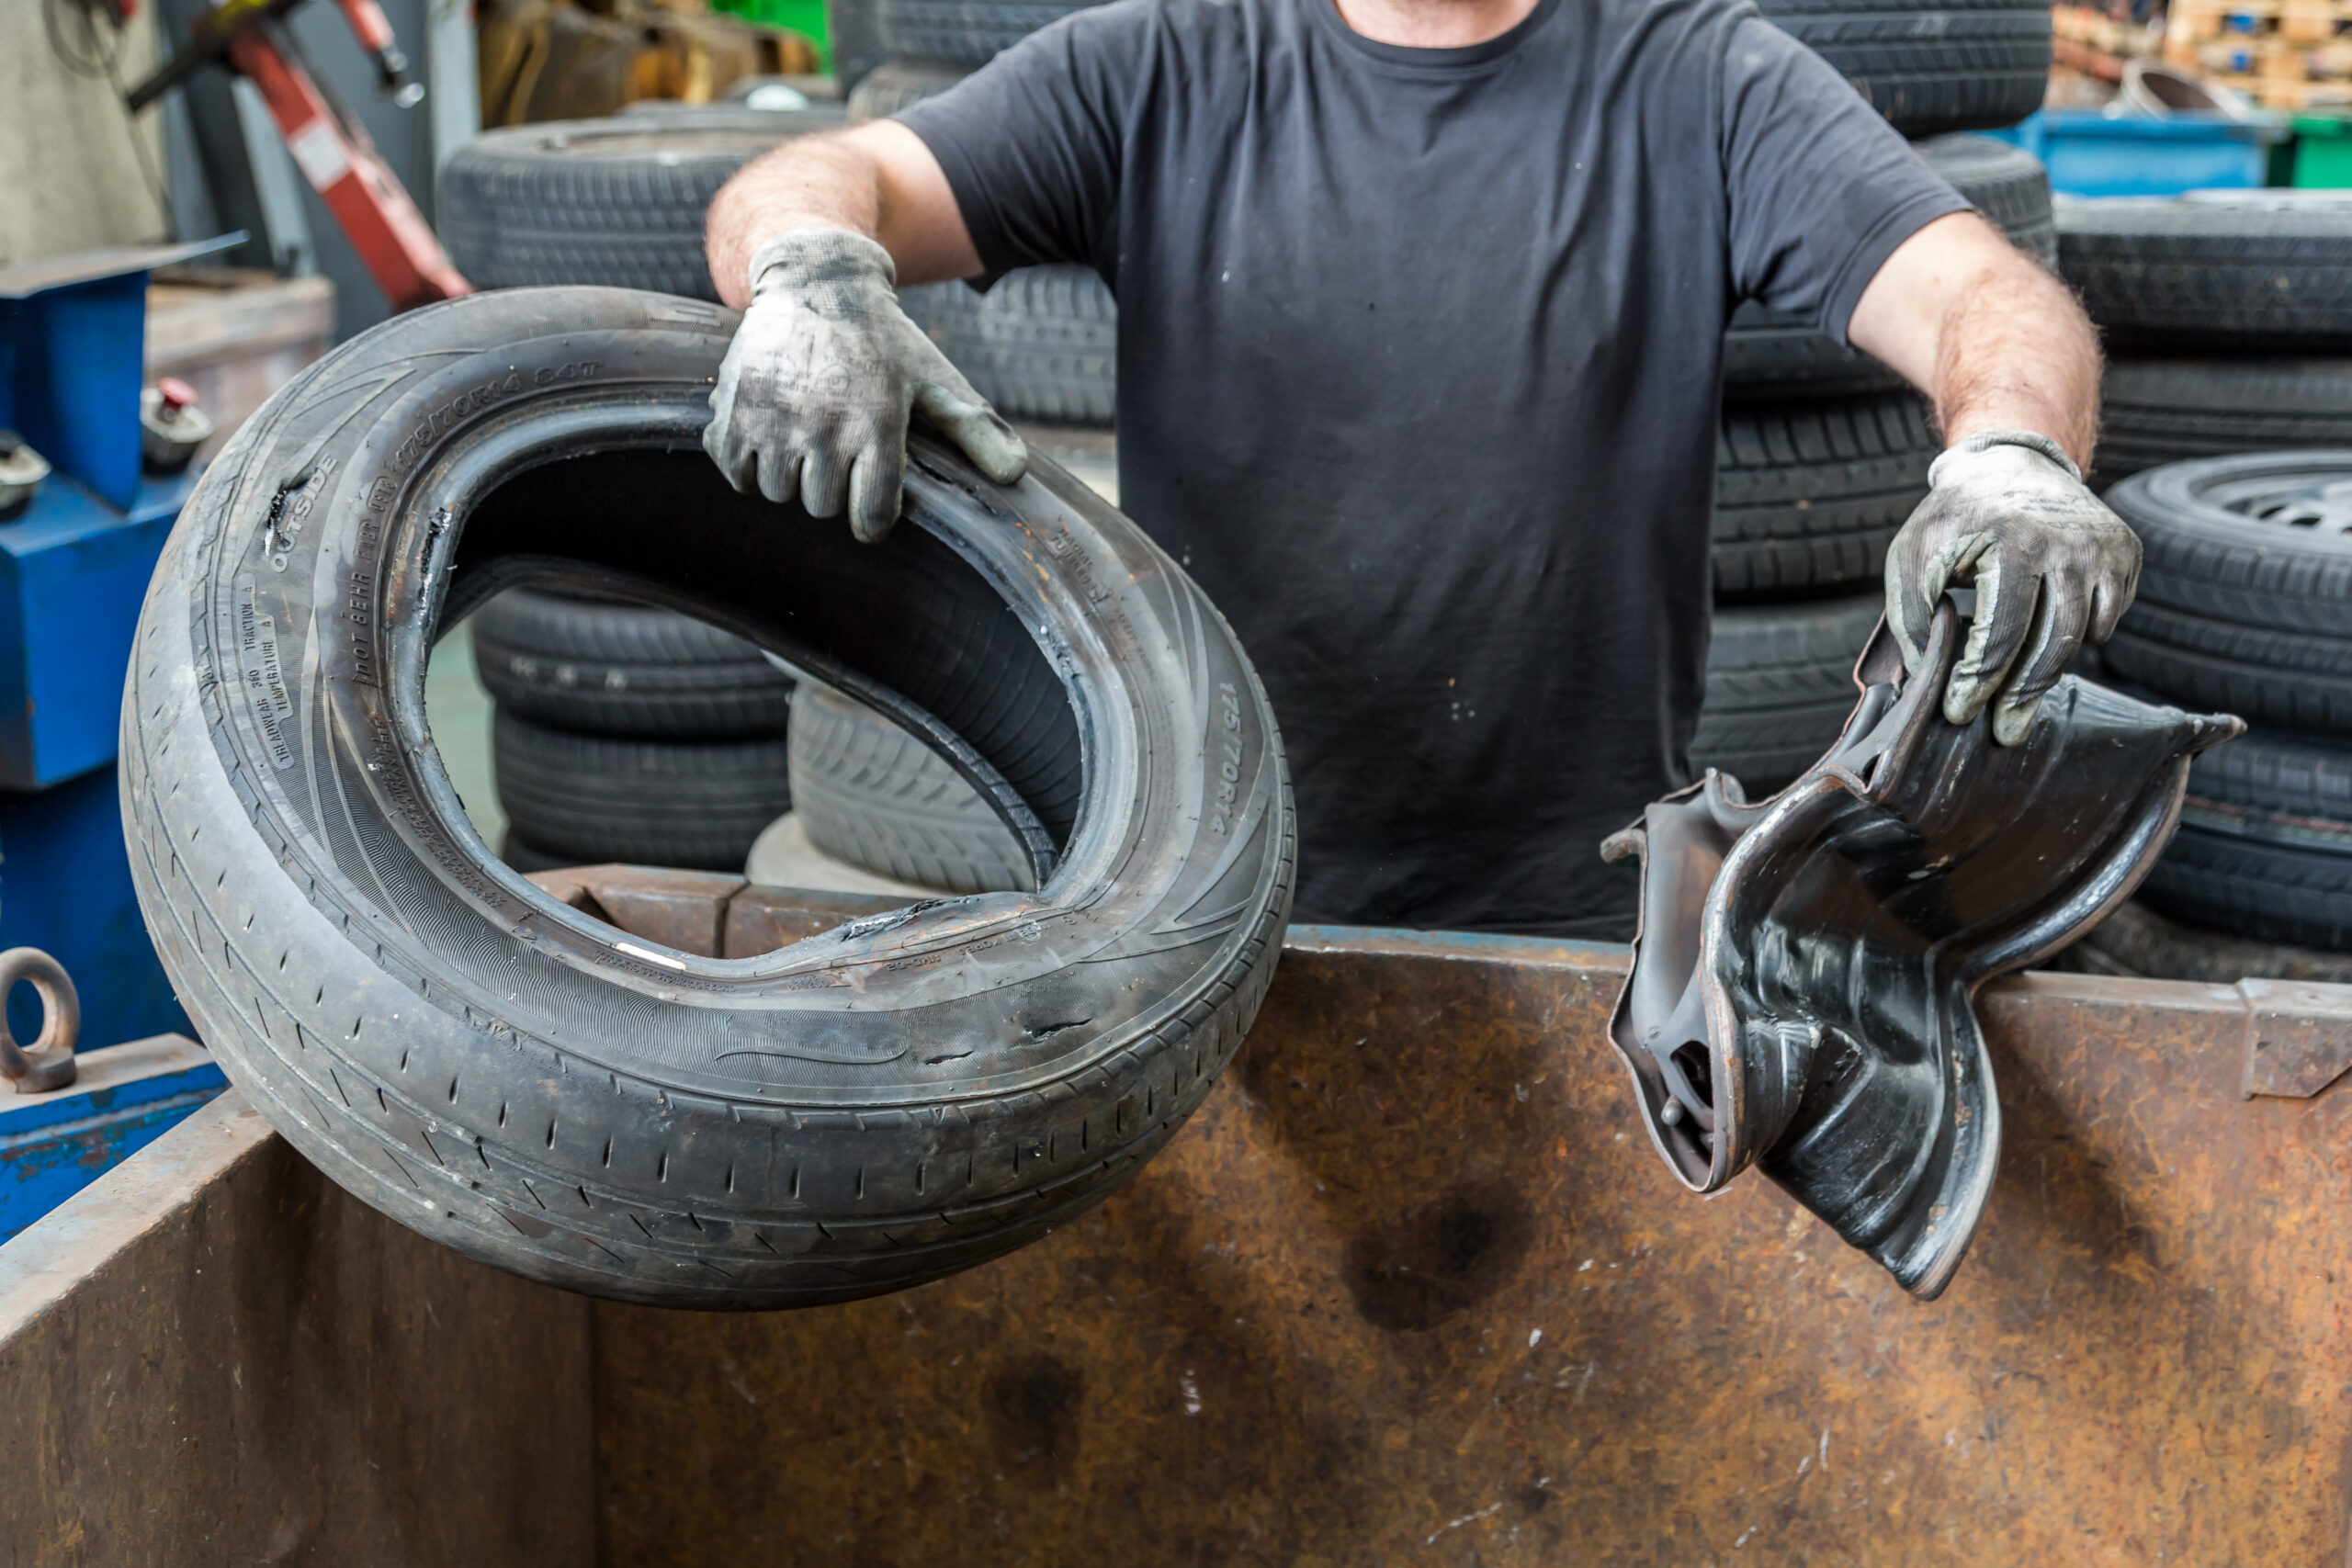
{"points": [[907, 626]]}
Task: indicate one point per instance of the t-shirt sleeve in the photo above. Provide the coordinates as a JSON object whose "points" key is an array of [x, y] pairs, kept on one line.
{"points": [[1822, 189], [1031, 142]]}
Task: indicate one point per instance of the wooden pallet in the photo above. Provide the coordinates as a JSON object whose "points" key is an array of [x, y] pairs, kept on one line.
{"points": [[2283, 54]]}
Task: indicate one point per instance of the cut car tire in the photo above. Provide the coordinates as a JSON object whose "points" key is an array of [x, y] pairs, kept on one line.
{"points": [[902, 1097]]}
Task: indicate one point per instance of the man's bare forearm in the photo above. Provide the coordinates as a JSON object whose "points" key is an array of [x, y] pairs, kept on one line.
{"points": [[1995, 341], [2017, 353], [815, 182], [877, 180]]}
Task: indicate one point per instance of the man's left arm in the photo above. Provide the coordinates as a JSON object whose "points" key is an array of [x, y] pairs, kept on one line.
{"points": [[2012, 364]]}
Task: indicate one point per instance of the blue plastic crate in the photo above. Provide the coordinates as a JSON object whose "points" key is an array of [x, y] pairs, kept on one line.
{"points": [[2091, 153]]}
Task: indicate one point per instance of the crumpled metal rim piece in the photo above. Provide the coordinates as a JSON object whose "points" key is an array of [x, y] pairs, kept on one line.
{"points": [[1800, 994]]}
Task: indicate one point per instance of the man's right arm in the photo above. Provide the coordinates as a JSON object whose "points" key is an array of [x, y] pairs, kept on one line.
{"points": [[813, 400], [876, 179]]}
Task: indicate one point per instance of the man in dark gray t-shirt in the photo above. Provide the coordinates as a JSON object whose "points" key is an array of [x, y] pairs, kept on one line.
{"points": [[1421, 314]]}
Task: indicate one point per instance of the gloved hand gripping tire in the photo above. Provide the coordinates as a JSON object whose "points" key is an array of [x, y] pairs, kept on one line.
{"points": [[813, 399], [2053, 568]]}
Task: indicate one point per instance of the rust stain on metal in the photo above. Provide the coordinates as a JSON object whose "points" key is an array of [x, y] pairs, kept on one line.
{"points": [[709, 914], [2298, 1036], [1413, 1285]]}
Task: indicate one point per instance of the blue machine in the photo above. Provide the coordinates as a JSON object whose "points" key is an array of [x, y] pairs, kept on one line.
{"points": [[73, 570], [53, 1145]]}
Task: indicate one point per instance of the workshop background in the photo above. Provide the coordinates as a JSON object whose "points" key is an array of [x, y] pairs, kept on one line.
{"points": [[2186, 168]]}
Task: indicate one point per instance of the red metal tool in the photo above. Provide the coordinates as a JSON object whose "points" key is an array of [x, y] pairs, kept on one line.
{"points": [[334, 152]]}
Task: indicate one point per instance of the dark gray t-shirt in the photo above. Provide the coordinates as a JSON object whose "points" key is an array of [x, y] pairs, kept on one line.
{"points": [[1419, 355]]}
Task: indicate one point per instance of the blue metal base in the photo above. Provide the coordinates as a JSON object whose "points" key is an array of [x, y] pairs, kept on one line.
{"points": [[73, 572], [53, 1145], [65, 888]]}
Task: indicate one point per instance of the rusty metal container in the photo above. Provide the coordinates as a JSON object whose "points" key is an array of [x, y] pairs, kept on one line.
{"points": [[1411, 1286]]}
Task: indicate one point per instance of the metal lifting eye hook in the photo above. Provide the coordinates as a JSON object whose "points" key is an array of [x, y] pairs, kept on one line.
{"points": [[48, 1063]]}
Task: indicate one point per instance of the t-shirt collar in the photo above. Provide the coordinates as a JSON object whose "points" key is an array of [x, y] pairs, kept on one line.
{"points": [[1437, 60]]}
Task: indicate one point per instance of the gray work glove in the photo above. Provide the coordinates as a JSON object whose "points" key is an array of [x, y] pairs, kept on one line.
{"points": [[813, 397], [2053, 568]]}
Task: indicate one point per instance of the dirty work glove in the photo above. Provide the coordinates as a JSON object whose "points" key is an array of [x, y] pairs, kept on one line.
{"points": [[2007, 510], [813, 397]]}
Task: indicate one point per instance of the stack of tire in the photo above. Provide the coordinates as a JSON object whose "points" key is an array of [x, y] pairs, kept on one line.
{"points": [[627, 733], [2227, 317], [1822, 454], [1042, 344], [2228, 446], [2246, 606]]}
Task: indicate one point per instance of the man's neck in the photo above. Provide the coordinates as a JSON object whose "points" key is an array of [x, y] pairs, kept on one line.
{"points": [[1433, 24]]}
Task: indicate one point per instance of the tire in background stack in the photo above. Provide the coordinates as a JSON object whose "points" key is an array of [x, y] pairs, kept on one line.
{"points": [[1960, 65], [2228, 320], [2246, 606], [619, 201], [1822, 454], [871, 795], [627, 733]]}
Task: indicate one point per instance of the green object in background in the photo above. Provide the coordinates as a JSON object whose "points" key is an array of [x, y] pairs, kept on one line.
{"points": [[2323, 151], [806, 17]]}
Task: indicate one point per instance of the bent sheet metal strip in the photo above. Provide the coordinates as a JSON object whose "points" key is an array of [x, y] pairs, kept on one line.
{"points": [[1800, 994]]}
